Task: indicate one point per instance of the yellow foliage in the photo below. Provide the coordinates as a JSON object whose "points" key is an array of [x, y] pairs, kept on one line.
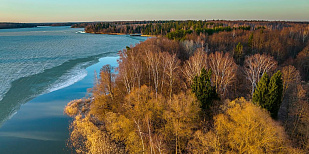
{"points": [[123, 129], [142, 103], [204, 143], [181, 115], [242, 128], [76, 107], [246, 128], [88, 138]]}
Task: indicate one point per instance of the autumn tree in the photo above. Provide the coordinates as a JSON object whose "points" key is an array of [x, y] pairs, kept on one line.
{"points": [[242, 128], [297, 124], [145, 111], [130, 68], [86, 137], [302, 61], [107, 79], [291, 79], [182, 117]]}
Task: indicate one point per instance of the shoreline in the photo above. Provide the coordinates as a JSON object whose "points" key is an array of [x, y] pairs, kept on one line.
{"points": [[121, 34], [48, 111], [36, 114]]}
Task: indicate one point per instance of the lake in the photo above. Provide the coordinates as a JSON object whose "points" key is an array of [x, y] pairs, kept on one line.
{"points": [[41, 70]]}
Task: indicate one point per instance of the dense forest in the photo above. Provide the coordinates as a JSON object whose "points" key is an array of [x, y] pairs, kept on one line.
{"points": [[199, 87], [6, 25]]}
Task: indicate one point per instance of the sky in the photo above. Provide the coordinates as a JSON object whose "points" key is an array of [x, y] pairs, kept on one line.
{"points": [[115, 10]]}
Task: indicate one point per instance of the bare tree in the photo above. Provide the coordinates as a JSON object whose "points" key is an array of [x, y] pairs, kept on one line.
{"points": [[172, 64], [125, 72], [130, 69], [291, 78], [224, 71], [154, 62], [107, 81], [137, 66], [256, 65], [194, 65]]}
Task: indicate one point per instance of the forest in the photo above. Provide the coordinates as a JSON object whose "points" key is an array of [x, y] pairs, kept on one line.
{"points": [[199, 87], [8, 25], [5, 25]]}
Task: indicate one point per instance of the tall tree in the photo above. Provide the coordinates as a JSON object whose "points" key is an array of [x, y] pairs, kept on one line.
{"points": [[275, 94], [224, 71], [260, 94], [291, 77], [107, 80], [194, 65], [268, 93], [238, 53], [250, 43], [172, 63], [203, 90], [153, 59], [256, 65]]}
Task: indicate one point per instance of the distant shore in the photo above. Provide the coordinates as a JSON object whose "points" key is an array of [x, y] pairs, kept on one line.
{"points": [[122, 34], [9, 25]]}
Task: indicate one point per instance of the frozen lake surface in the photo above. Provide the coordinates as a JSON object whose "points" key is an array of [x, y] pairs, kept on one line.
{"points": [[49, 65]]}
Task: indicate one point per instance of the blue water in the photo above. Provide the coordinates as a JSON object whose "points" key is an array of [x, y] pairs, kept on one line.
{"points": [[41, 70]]}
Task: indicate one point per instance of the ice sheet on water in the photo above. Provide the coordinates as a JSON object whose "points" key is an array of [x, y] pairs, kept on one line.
{"points": [[69, 78], [25, 52]]}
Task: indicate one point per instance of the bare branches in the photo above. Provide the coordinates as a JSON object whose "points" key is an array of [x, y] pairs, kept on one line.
{"points": [[172, 63], [224, 71], [256, 65], [194, 65]]}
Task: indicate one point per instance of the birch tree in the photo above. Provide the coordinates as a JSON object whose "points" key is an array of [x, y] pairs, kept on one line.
{"points": [[224, 71], [255, 66], [172, 65], [194, 65]]}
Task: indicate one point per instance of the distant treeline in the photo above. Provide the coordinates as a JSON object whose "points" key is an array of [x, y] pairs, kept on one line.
{"points": [[57, 24], [172, 29], [179, 29], [15, 25], [30, 25]]}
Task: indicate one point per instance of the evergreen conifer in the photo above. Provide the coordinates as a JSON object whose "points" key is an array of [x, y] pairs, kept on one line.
{"points": [[261, 91], [275, 94], [203, 90]]}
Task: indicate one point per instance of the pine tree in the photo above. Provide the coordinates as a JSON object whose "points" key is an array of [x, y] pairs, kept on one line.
{"points": [[261, 91], [250, 43], [268, 93], [203, 90], [275, 94], [238, 53]]}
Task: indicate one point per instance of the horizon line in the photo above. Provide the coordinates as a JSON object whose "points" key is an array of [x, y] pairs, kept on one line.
{"points": [[248, 20]]}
